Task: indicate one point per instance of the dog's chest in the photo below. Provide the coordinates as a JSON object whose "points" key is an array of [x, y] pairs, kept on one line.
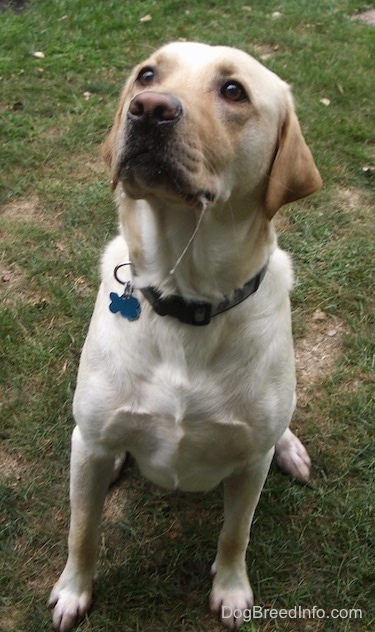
{"points": [[192, 405], [183, 430]]}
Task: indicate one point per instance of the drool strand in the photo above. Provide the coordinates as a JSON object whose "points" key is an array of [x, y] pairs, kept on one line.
{"points": [[204, 203]]}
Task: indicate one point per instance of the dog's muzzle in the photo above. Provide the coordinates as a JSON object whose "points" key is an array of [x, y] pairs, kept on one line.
{"points": [[154, 157], [160, 155]]}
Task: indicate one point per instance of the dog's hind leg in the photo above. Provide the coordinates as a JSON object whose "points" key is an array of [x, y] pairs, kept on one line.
{"points": [[291, 456], [231, 594], [118, 465], [90, 477]]}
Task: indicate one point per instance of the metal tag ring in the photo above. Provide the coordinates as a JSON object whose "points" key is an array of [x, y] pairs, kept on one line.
{"points": [[117, 268]]}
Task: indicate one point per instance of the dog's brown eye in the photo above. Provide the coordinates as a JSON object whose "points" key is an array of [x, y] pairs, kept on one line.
{"points": [[146, 76], [233, 91]]}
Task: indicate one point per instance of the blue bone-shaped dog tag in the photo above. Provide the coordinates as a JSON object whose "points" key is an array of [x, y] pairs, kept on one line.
{"points": [[128, 306]]}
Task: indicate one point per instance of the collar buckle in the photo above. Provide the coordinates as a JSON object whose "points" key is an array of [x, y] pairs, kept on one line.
{"points": [[201, 313], [188, 312]]}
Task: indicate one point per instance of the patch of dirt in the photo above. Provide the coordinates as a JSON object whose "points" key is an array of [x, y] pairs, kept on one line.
{"points": [[349, 199], [10, 619], [15, 5], [317, 353], [113, 509], [353, 200], [10, 274], [367, 16], [22, 210], [15, 290], [265, 51], [28, 210], [97, 166], [88, 169], [11, 468]]}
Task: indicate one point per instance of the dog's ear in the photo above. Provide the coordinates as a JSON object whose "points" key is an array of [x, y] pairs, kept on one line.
{"points": [[108, 150], [109, 145], [293, 172]]}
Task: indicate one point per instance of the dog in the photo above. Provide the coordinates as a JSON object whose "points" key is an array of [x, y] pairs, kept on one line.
{"points": [[188, 364]]}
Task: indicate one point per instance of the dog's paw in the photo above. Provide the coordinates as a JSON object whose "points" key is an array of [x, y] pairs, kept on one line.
{"points": [[230, 601], [118, 465], [68, 607], [291, 456]]}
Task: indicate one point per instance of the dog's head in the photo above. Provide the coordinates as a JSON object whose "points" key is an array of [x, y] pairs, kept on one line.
{"points": [[207, 124]]}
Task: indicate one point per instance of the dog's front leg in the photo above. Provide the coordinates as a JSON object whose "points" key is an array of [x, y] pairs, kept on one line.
{"points": [[89, 480], [231, 592]]}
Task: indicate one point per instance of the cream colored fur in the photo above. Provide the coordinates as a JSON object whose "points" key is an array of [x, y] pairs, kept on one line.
{"points": [[195, 406]]}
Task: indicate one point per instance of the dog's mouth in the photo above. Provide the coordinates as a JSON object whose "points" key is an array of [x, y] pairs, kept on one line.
{"points": [[164, 172]]}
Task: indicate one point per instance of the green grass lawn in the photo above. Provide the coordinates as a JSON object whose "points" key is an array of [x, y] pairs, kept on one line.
{"points": [[311, 546]]}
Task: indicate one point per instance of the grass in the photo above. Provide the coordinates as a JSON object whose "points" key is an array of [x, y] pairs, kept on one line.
{"points": [[310, 546]]}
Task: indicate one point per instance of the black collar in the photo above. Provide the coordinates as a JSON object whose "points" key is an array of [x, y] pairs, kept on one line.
{"points": [[200, 312]]}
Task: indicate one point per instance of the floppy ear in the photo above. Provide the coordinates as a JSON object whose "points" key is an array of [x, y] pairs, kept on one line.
{"points": [[293, 173], [109, 145], [108, 152]]}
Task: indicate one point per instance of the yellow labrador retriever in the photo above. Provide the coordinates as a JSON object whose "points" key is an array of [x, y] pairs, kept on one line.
{"points": [[188, 363]]}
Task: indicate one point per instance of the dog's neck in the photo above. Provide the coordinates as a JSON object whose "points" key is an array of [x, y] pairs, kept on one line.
{"points": [[225, 253]]}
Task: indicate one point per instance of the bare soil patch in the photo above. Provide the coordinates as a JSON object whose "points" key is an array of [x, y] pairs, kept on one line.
{"points": [[29, 210], [318, 352], [22, 210], [14, 5], [367, 16], [11, 468], [265, 51]]}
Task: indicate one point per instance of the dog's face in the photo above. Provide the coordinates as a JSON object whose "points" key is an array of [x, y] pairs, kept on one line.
{"points": [[203, 124]]}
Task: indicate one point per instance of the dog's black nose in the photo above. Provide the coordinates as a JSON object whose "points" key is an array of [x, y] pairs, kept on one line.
{"points": [[154, 107]]}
